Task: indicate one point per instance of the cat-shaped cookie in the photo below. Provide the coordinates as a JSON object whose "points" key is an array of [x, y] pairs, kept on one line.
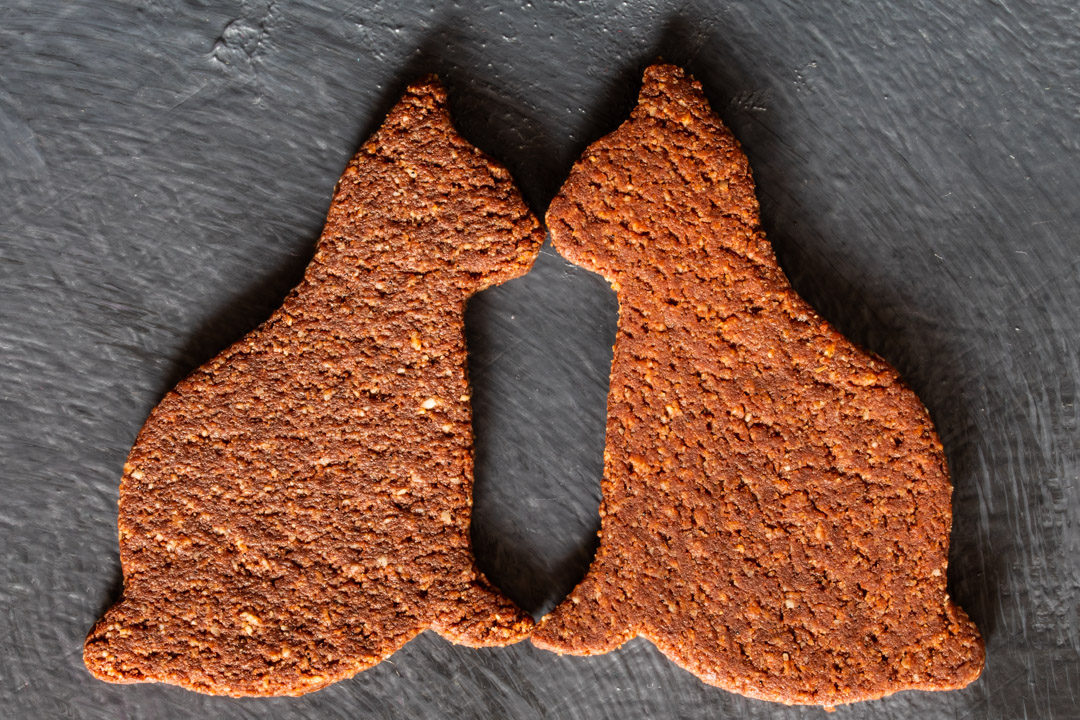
{"points": [[298, 508], [776, 503]]}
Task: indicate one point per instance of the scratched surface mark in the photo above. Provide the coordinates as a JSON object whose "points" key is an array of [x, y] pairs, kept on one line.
{"points": [[164, 172]]}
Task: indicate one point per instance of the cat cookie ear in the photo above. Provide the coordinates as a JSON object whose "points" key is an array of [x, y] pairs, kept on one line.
{"points": [[776, 503], [299, 507]]}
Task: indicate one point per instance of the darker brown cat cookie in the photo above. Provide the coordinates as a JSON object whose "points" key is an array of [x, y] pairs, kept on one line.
{"points": [[298, 508], [776, 503]]}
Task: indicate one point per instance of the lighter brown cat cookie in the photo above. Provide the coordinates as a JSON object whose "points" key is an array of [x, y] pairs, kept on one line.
{"points": [[298, 508], [776, 503]]}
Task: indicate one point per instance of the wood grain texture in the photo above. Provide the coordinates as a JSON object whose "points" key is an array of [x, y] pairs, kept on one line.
{"points": [[165, 172]]}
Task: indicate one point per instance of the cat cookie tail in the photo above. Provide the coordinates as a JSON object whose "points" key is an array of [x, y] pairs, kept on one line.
{"points": [[133, 644], [104, 657], [120, 649], [484, 617], [589, 622], [952, 657]]}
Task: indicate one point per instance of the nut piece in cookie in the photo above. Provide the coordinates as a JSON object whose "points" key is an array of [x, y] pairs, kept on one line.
{"points": [[776, 503], [298, 508]]}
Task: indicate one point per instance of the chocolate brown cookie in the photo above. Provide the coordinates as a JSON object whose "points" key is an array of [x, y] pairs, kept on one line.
{"points": [[298, 508], [776, 503]]}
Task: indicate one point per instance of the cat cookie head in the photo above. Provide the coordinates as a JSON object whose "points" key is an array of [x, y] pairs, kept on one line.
{"points": [[672, 158], [398, 209]]}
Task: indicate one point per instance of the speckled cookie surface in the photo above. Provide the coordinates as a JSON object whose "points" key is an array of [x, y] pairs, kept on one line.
{"points": [[299, 507], [776, 503]]}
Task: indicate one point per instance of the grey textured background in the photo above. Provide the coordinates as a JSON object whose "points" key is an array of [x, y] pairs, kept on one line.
{"points": [[165, 171]]}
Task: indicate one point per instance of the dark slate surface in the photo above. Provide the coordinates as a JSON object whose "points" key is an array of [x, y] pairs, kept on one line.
{"points": [[164, 173]]}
